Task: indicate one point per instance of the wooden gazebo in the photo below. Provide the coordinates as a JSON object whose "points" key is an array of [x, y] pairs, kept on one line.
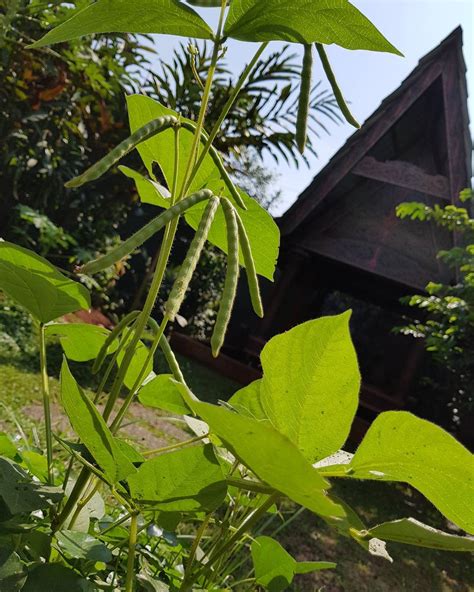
{"points": [[342, 244]]}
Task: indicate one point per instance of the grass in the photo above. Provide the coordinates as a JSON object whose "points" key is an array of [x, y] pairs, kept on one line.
{"points": [[308, 538]]}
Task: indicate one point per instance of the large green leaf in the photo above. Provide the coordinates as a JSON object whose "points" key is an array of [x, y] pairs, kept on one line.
{"points": [[402, 447], [169, 17], [54, 577], [81, 342], [92, 429], [12, 571], [304, 21], [262, 230], [187, 480], [162, 393], [275, 568], [37, 285], [412, 532], [310, 384], [270, 455]]}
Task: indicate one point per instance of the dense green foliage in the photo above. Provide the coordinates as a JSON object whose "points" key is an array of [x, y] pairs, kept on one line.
{"points": [[446, 313], [96, 512]]}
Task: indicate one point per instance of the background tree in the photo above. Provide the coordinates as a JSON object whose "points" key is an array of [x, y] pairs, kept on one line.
{"points": [[60, 110], [446, 320]]}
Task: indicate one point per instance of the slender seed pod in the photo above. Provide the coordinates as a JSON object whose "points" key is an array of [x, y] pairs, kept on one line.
{"points": [[188, 266], [144, 233], [231, 278], [171, 360], [335, 87], [250, 271], [214, 154], [116, 331], [305, 93], [141, 135]]}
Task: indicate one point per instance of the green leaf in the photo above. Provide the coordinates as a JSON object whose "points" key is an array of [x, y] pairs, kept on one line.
{"points": [[169, 17], [150, 191], [36, 463], [37, 285], [310, 384], [402, 447], [7, 448], [275, 568], [54, 577], [270, 455], [246, 401], [92, 429], [12, 571], [81, 545], [413, 532], [300, 21], [81, 342], [20, 494], [187, 480], [262, 230], [162, 393]]}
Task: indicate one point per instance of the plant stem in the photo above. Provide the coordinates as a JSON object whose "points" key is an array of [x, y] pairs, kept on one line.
{"points": [[174, 446], [227, 107], [246, 525], [192, 166], [192, 553], [46, 403], [132, 544]]}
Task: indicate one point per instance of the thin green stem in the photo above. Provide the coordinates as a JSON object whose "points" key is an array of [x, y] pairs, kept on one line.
{"points": [[93, 487], [192, 553], [225, 110], [46, 403], [246, 525], [132, 545], [174, 446], [192, 165]]}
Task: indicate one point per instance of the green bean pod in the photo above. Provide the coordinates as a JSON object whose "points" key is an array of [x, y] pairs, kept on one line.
{"points": [[190, 262], [137, 239], [250, 270], [171, 360], [116, 331], [335, 87], [141, 135], [231, 278], [304, 100]]}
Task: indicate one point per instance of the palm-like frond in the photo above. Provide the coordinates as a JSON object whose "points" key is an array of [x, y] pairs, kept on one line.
{"points": [[263, 117]]}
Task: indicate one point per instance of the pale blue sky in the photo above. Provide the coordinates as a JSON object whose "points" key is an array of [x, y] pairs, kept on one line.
{"points": [[414, 26]]}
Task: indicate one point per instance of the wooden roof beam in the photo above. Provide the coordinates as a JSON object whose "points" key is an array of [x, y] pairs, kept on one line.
{"points": [[403, 174]]}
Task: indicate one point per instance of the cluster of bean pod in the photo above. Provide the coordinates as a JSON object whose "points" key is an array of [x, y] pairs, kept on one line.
{"points": [[237, 239]]}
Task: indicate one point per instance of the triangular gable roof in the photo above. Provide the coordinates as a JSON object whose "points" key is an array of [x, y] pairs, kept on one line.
{"points": [[445, 62]]}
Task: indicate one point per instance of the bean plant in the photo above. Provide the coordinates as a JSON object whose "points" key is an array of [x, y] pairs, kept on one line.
{"points": [[95, 511]]}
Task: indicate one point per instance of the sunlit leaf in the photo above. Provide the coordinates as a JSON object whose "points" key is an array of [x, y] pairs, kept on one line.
{"points": [[187, 480], [300, 21], [169, 17], [92, 429], [402, 447], [162, 393]]}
